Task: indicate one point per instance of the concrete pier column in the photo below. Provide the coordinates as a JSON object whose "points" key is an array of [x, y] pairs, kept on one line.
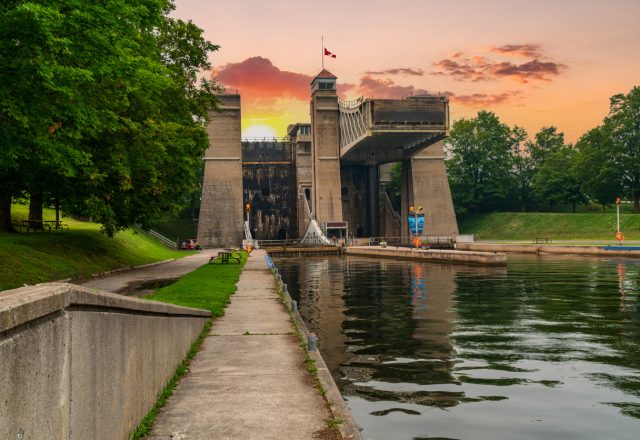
{"points": [[221, 211], [373, 200], [425, 183]]}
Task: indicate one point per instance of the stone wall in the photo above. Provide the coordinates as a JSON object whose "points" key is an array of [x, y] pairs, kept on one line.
{"points": [[80, 364]]}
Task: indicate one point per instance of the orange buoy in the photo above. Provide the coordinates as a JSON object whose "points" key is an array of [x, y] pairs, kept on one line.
{"points": [[249, 248], [417, 242], [619, 236]]}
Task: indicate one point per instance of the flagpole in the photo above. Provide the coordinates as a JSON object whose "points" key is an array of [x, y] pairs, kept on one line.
{"points": [[322, 51]]}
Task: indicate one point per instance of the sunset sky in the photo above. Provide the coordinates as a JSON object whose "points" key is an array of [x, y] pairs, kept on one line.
{"points": [[533, 63]]}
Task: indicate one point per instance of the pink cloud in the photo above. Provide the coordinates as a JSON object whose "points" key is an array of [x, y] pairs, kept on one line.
{"points": [[480, 68], [259, 77], [518, 50]]}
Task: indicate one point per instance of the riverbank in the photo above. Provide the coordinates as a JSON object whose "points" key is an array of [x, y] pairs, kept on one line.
{"points": [[527, 226], [82, 250], [521, 248], [249, 380]]}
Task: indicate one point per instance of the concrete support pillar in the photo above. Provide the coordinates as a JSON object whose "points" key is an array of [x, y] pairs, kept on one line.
{"points": [[425, 183], [221, 211], [325, 151], [373, 200]]}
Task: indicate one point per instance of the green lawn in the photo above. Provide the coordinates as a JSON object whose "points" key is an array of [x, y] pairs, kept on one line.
{"points": [[208, 287], [557, 226], [29, 258]]}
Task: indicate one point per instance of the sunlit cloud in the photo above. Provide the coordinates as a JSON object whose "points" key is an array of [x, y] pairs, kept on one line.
{"points": [[397, 71], [481, 68], [518, 50], [483, 100], [258, 75]]}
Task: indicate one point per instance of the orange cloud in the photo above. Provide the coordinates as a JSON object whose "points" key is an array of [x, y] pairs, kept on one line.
{"points": [[259, 77], [523, 73], [398, 71], [481, 68], [518, 50], [482, 100]]}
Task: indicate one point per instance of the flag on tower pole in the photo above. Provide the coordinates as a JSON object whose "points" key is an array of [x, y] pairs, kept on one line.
{"points": [[329, 54]]}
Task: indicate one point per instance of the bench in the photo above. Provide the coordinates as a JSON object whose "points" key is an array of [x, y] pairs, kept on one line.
{"points": [[541, 240]]}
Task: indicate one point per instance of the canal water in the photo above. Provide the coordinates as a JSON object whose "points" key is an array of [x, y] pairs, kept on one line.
{"points": [[545, 348]]}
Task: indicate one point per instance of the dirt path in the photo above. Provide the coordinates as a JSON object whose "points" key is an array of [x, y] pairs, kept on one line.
{"points": [[121, 281]]}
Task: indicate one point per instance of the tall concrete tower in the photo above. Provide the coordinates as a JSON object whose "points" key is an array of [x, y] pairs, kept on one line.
{"points": [[221, 210], [325, 149]]}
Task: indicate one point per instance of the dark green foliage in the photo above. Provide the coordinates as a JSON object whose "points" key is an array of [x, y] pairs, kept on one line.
{"points": [[481, 163], [101, 106]]}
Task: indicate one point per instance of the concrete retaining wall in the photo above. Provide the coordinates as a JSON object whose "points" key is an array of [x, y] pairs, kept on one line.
{"points": [[546, 249], [490, 258], [81, 364]]}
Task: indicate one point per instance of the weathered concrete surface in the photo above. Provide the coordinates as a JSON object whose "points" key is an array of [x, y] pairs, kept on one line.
{"points": [[248, 381], [432, 254], [220, 221], [172, 269], [425, 184], [325, 146], [545, 249], [81, 364]]}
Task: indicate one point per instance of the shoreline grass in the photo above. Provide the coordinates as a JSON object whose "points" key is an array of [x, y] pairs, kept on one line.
{"points": [[37, 257], [557, 226]]}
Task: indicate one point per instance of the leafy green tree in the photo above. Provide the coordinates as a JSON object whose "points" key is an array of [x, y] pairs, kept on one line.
{"points": [[599, 176], [623, 128], [556, 182], [100, 103], [547, 142], [523, 169], [480, 164]]}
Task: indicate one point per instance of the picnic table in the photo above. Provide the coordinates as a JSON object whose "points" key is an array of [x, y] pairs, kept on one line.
{"points": [[36, 225], [225, 255], [41, 225]]}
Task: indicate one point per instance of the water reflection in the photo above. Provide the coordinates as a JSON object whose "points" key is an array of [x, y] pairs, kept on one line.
{"points": [[545, 348]]}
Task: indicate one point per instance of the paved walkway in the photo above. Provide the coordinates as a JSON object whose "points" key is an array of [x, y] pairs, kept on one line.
{"points": [[248, 381], [120, 281]]}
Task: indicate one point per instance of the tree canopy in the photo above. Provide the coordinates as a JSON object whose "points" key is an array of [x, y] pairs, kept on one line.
{"points": [[101, 106]]}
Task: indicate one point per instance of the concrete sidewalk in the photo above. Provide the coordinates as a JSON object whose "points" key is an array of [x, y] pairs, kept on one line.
{"points": [[249, 380], [120, 281]]}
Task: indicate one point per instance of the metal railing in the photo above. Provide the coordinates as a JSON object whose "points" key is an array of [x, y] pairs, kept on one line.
{"points": [[158, 236]]}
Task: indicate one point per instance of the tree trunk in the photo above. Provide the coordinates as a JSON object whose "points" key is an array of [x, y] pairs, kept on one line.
{"points": [[57, 204], [35, 207], [636, 202], [5, 213], [573, 206]]}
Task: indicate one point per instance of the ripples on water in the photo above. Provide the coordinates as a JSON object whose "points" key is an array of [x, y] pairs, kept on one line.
{"points": [[545, 348]]}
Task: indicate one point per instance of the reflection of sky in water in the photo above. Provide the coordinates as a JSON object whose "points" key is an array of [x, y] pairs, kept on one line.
{"points": [[547, 348]]}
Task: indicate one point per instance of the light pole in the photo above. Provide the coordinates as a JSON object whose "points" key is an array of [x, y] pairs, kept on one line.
{"points": [[618, 213]]}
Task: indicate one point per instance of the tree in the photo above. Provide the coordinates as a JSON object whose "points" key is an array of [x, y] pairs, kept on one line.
{"points": [[555, 181], [100, 103], [623, 128], [547, 142], [600, 177], [523, 168], [481, 162]]}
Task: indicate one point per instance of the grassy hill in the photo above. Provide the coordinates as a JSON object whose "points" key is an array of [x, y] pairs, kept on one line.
{"points": [[35, 257], [557, 226]]}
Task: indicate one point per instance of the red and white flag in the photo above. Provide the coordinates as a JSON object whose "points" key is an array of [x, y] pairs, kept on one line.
{"points": [[329, 54]]}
